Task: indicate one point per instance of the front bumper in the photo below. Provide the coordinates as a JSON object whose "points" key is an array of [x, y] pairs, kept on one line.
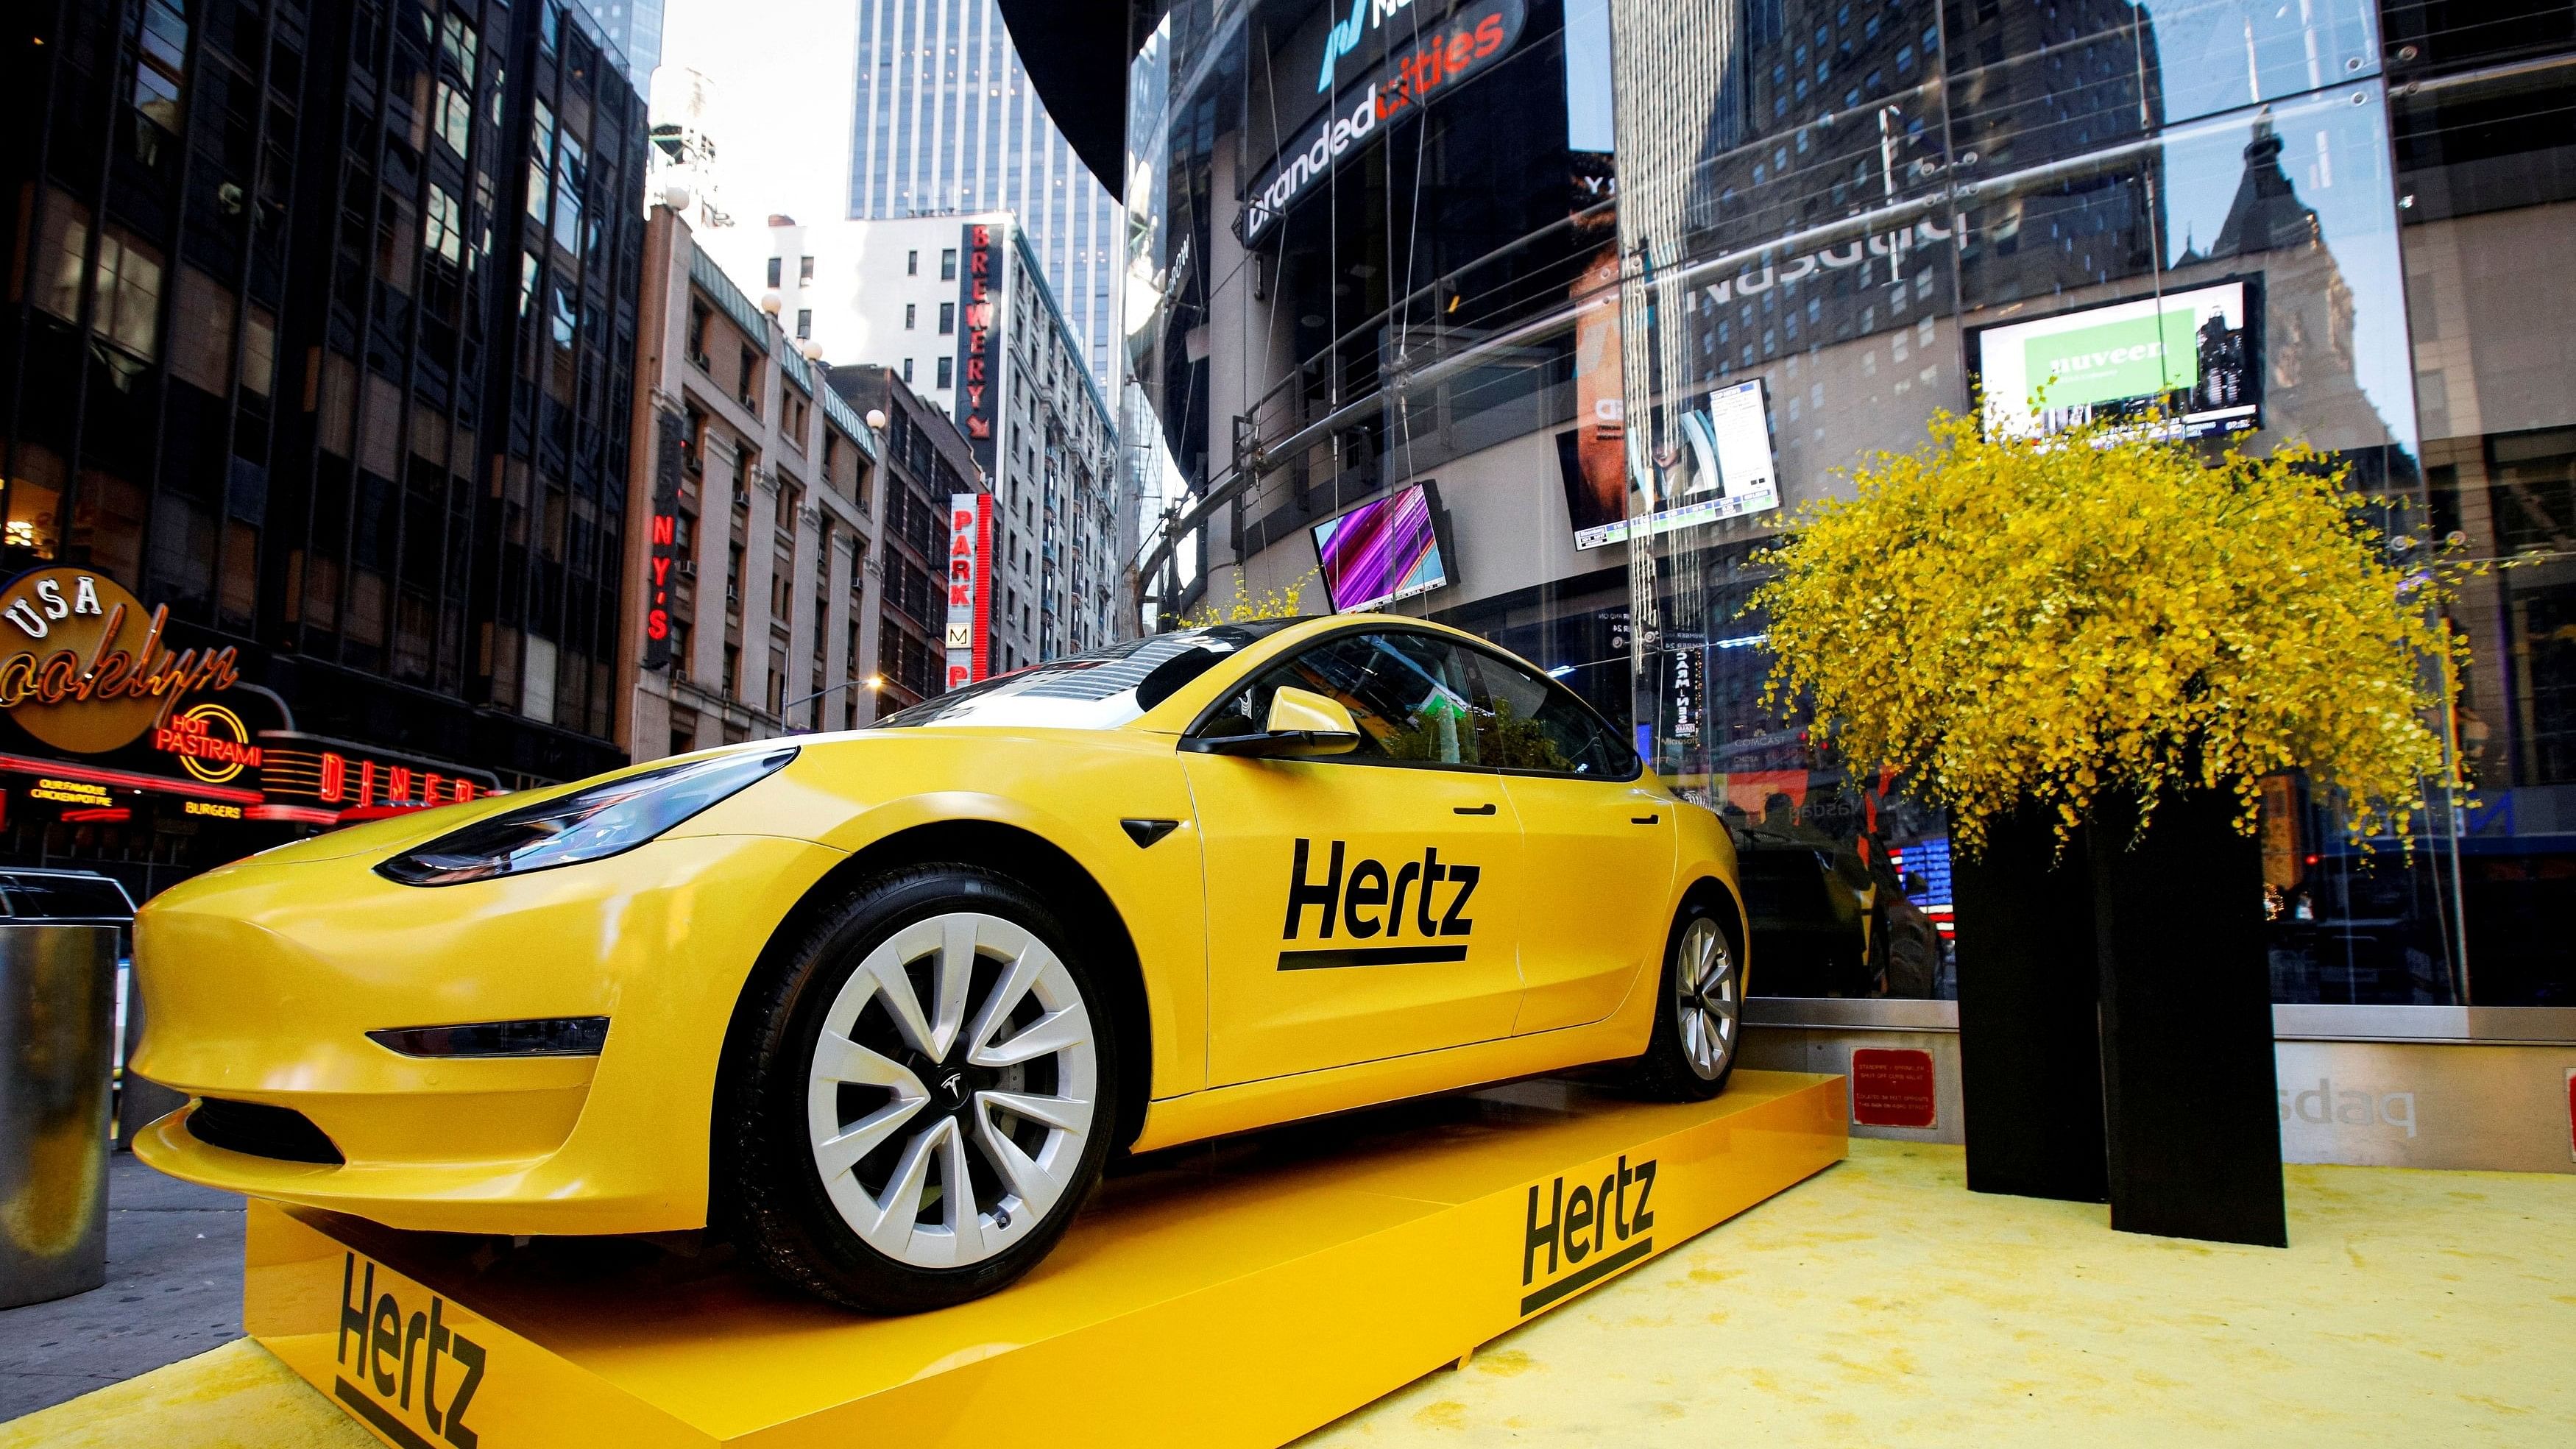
{"points": [[263, 979]]}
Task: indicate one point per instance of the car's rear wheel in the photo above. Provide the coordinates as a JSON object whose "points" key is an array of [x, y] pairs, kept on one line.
{"points": [[1698, 1012], [928, 1093]]}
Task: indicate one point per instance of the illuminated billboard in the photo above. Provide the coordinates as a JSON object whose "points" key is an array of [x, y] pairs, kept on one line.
{"points": [[1381, 551], [1721, 468], [2185, 364]]}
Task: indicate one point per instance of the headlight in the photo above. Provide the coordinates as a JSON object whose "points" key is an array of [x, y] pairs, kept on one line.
{"points": [[591, 824]]}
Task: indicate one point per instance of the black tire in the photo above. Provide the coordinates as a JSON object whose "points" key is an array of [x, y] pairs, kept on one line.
{"points": [[1671, 1068], [804, 1224]]}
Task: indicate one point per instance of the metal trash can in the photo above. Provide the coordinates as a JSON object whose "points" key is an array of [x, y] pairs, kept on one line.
{"points": [[57, 1024]]}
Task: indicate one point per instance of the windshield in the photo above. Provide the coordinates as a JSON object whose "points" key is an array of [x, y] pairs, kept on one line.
{"points": [[1100, 690]]}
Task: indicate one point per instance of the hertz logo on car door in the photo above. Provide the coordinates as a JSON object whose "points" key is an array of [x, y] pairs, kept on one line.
{"points": [[1424, 898]]}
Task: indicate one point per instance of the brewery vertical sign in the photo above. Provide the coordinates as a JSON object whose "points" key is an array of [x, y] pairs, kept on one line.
{"points": [[970, 587], [979, 362]]}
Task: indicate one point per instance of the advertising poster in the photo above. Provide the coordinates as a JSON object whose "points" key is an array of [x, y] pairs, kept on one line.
{"points": [[2187, 364], [1381, 551], [1721, 468]]}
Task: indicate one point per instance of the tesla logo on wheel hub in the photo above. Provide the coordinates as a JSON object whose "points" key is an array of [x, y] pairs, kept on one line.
{"points": [[949, 1085]]}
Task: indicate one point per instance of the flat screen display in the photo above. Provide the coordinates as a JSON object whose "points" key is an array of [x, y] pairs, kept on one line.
{"points": [[1720, 466], [1381, 551], [2182, 365]]}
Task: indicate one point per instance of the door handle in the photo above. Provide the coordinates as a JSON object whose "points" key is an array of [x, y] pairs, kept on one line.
{"points": [[1485, 809], [1644, 819]]}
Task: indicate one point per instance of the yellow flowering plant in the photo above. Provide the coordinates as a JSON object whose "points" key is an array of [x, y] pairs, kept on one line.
{"points": [[2001, 621], [1247, 607]]}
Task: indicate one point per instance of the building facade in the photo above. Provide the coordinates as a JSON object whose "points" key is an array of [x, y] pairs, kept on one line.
{"points": [[318, 335], [1407, 262], [945, 121], [905, 295], [928, 462], [751, 576]]}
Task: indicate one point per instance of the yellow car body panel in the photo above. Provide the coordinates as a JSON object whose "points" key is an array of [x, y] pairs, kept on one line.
{"points": [[264, 977]]}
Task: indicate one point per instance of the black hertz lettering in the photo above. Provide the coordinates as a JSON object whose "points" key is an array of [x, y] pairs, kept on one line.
{"points": [[379, 1347], [1591, 1231], [1369, 902]]}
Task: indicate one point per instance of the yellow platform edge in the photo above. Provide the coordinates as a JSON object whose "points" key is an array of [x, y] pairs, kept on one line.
{"points": [[1236, 1305]]}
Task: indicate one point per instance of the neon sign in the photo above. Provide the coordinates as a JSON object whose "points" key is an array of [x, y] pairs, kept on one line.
{"points": [[970, 587], [662, 562], [309, 771], [211, 742], [92, 673], [980, 362]]}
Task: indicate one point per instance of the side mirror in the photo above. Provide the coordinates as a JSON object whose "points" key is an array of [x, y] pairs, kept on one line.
{"points": [[1301, 725]]}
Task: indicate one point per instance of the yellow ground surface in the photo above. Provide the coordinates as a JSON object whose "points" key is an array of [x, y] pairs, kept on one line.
{"points": [[1882, 1303]]}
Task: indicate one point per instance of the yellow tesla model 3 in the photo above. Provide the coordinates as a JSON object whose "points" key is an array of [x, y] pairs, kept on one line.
{"points": [[878, 1005]]}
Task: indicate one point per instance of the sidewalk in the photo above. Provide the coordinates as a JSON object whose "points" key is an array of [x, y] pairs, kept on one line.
{"points": [[174, 1270], [1880, 1303]]}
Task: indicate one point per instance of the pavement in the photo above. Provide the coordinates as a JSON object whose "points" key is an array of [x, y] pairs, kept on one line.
{"points": [[174, 1290], [1878, 1303]]}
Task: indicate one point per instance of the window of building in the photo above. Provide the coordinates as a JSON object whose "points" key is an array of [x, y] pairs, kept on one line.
{"points": [[455, 119], [128, 301], [945, 368], [443, 225], [804, 269], [774, 264], [911, 315], [259, 351], [948, 265], [804, 323], [907, 369], [947, 318], [912, 264], [201, 344]]}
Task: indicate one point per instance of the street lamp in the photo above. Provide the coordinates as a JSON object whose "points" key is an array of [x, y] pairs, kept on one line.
{"points": [[873, 682]]}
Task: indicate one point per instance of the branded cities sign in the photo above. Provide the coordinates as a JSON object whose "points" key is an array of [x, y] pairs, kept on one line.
{"points": [[1439, 58], [970, 587], [83, 666]]}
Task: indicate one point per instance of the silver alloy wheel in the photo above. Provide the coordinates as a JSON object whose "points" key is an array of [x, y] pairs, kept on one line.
{"points": [[970, 1117], [1705, 1005]]}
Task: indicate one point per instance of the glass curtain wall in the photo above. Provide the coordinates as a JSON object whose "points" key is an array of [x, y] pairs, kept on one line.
{"points": [[1365, 246], [2483, 109], [1839, 218]]}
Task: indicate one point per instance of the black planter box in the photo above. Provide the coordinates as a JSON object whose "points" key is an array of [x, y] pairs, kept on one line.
{"points": [[2115, 1021]]}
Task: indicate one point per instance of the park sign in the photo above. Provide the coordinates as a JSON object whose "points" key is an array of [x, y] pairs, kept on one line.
{"points": [[84, 667]]}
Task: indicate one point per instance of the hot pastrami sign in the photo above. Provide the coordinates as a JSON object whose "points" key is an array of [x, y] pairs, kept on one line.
{"points": [[1437, 60]]}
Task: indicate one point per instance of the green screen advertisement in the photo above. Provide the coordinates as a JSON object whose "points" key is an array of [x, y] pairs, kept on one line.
{"points": [[2183, 364]]}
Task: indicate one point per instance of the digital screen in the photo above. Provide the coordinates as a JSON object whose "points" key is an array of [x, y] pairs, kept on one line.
{"points": [[1720, 466], [1380, 552], [2183, 365]]}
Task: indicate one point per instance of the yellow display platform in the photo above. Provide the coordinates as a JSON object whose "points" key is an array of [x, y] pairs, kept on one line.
{"points": [[1239, 1293]]}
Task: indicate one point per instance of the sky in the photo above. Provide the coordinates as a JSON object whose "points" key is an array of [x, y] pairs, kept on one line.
{"points": [[782, 122]]}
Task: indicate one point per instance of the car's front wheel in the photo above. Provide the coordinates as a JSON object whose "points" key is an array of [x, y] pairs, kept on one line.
{"points": [[927, 1096], [1699, 1010]]}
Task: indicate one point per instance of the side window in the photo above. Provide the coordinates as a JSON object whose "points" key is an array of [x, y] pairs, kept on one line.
{"points": [[1412, 696], [1538, 724]]}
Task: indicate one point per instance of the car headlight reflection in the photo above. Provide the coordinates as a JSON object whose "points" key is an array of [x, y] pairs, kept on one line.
{"points": [[616, 815]]}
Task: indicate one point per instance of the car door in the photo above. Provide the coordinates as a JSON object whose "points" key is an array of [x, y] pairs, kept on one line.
{"points": [[1598, 837], [1365, 905]]}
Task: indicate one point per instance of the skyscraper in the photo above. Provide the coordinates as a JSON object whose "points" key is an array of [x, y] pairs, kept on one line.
{"points": [[946, 121], [635, 28]]}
